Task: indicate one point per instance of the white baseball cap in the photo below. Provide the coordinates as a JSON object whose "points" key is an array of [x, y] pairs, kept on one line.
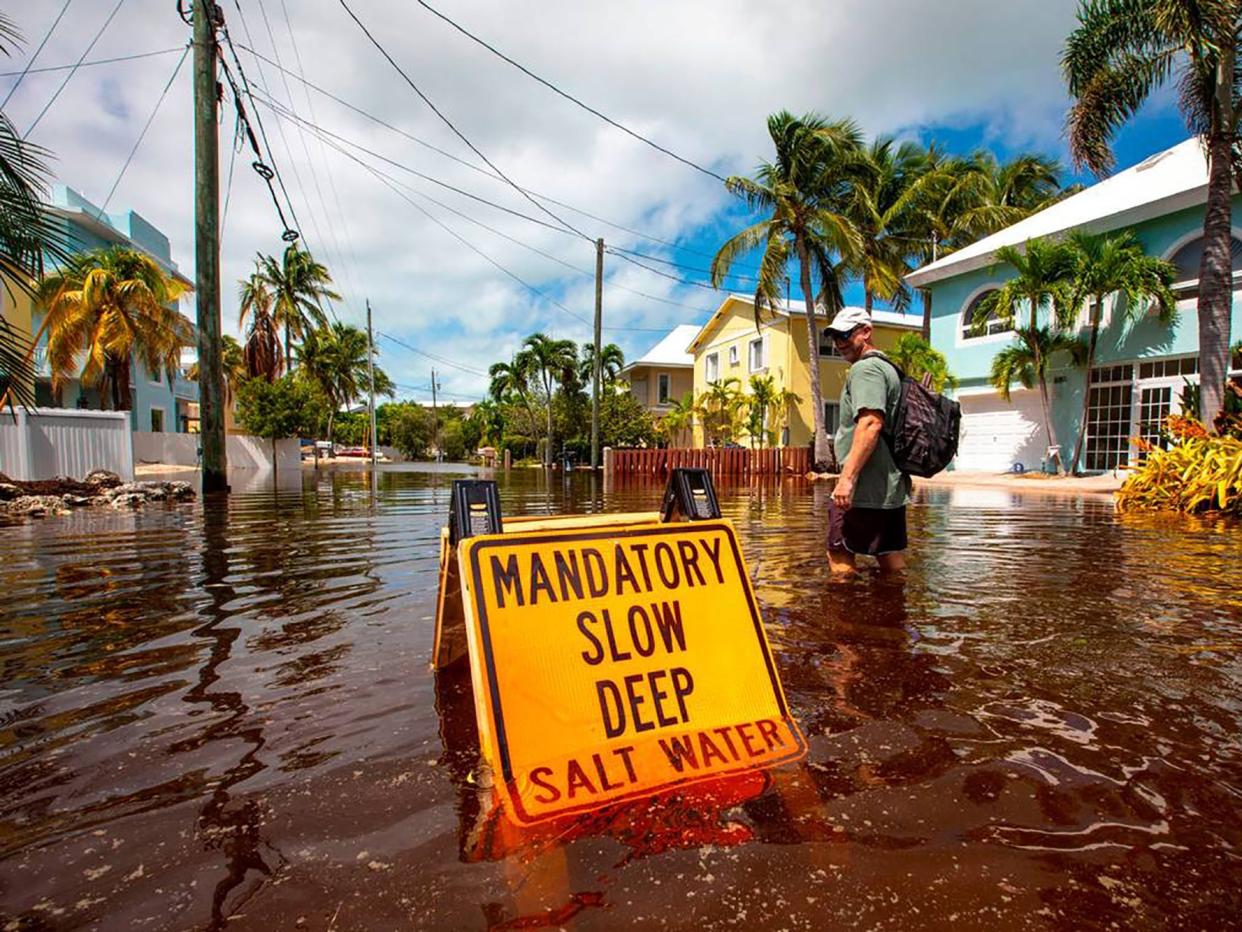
{"points": [[847, 319]]}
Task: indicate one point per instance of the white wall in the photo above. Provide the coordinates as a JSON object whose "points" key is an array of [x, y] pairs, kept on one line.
{"points": [[167, 448], [47, 442]]}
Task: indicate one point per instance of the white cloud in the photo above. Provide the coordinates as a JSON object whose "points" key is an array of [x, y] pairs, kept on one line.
{"points": [[699, 77]]}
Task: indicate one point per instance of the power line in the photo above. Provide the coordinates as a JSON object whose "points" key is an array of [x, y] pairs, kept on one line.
{"points": [[432, 356], [641, 265], [74, 69], [146, 126], [85, 64], [678, 265], [552, 87], [447, 122], [390, 182], [25, 71], [473, 167]]}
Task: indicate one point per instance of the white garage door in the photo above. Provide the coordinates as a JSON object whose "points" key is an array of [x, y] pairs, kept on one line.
{"points": [[998, 433]]}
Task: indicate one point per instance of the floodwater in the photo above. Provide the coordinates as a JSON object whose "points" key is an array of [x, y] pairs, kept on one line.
{"points": [[221, 714]]}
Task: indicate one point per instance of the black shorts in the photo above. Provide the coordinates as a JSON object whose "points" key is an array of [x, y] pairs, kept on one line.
{"points": [[872, 531]]}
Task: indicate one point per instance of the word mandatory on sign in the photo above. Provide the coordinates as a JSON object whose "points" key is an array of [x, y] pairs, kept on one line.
{"points": [[614, 663]]}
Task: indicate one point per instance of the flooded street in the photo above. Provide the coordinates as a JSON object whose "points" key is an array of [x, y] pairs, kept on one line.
{"points": [[221, 713]]}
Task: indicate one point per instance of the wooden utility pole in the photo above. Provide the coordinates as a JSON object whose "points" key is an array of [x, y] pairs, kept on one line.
{"points": [[207, 249], [597, 368], [371, 376], [435, 417]]}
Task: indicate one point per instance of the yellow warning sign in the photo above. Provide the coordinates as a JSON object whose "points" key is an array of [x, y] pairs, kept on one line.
{"points": [[613, 663]]}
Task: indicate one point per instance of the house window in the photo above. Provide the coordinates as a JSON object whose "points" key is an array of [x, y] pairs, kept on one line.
{"points": [[732, 355], [756, 356], [832, 417], [1111, 395], [1169, 368], [157, 420], [662, 388], [1187, 259], [993, 324], [827, 348], [711, 367]]}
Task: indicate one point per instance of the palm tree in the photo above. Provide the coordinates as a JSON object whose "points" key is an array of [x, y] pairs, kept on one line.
{"points": [[1027, 361], [721, 408], [510, 384], [299, 286], [1115, 265], [262, 351], [679, 418], [1121, 52], [1044, 277], [611, 361], [804, 191], [335, 359], [104, 307], [553, 362], [762, 397], [881, 207], [234, 364], [27, 233], [917, 359]]}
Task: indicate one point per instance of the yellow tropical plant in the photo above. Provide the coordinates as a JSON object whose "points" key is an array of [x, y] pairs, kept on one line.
{"points": [[722, 409], [106, 307], [1199, 473]]}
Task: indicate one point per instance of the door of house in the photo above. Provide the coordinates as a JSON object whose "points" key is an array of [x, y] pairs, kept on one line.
{"points": [[1110, 417]]}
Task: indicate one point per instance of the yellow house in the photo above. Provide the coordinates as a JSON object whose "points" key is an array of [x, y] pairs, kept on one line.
{"points": [[17, 309], [729, 346], [662, 375]]}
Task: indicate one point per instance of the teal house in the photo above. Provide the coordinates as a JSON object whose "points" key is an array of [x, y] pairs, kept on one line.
{"points": [[158, 403], [1142, 366]]}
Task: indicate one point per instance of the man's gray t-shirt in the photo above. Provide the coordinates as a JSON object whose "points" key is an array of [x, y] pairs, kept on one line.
{"points": [[872, 383]]}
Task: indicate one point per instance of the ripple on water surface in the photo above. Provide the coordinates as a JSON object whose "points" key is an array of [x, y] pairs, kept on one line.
{"points": [[222, 712]]}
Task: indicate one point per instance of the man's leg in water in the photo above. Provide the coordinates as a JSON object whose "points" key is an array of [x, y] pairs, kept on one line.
{"points": [[893, 562], [841, 563]]}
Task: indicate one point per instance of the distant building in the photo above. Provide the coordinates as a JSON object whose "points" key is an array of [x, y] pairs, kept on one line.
{"points": [[1141, 370], [729, 345], [157, 403], [662, 375]]}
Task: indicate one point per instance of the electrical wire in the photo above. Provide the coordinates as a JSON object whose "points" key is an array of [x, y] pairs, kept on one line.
{"points": [[85, 64], [432, 356], [21, 75], [146, 126], [552, 87], [460, 135], [641, 265], [281, 112], [473, 167], [74, 70]]}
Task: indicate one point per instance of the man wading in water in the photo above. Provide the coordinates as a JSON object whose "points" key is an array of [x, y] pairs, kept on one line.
{"points": [[867, 513]]}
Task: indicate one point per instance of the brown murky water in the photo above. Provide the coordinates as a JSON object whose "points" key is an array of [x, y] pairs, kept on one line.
{"points": [[221, 714]]}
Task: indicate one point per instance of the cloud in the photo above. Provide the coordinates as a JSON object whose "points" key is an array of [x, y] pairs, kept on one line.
{"points": [[700, 77]]}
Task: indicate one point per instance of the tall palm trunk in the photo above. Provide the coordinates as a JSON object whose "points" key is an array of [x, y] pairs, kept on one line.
{"points": [[1096, 304], [822, 454], [1050, 433], [547, 451], [927, 314], [288, 356], [1215, 279]]}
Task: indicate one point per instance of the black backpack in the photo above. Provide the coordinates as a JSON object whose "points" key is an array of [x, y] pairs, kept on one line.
{"points": [[924, 433]]}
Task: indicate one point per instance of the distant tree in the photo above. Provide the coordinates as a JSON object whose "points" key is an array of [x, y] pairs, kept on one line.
{"points": [[1114, 264], [612, 361], [802, 192], [262, 349], [290, 406], [1117, 58], [1044, 279], [335, 359], [104, 307], [411, 429], [299, 285], [623, 422], [554, 363], [678, 421], [917, 358], [721, 409], [235, 372]]}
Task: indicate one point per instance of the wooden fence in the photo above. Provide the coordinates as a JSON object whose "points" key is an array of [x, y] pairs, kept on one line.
{"points": [[722, 461]]}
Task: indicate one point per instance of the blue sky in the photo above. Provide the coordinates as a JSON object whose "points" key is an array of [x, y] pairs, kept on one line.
{"points": [[699, 76]]}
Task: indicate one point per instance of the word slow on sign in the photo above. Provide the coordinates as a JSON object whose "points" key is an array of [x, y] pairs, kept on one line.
{"points": [[615, 663]]}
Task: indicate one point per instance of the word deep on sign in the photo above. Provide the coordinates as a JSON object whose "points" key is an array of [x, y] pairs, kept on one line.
{"points": [[622, 662]]}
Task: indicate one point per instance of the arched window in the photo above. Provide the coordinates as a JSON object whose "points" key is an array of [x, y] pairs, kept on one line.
{"points": [[1187, 260], [994, 323]]}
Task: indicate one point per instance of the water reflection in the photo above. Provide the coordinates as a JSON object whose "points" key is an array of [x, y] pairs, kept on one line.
{"points": [[222, 713]]}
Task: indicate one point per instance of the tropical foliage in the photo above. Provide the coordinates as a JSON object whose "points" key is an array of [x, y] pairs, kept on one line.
{"points": [[290, 406], [1122, 52], [105, 307], [1197, 473], [918, 359], [261, 354], [232, 358], [299, 287], [334, 359]]}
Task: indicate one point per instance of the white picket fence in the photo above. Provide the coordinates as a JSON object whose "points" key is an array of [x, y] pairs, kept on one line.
{"points": [[46, 442]]}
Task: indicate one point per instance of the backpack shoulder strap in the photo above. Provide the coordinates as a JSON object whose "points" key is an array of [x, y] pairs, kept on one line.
{"points": [[876, 354]]}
